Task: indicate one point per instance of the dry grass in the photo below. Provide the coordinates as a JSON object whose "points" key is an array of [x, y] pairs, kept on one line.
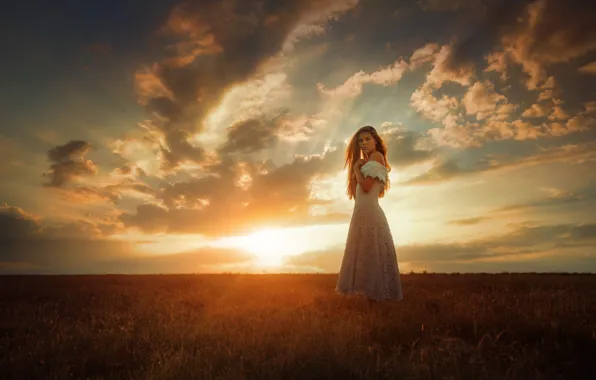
{"points": [[295, 327]]}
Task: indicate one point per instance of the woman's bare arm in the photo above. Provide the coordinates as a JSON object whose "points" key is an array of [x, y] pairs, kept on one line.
{"points": [[367, 183]]}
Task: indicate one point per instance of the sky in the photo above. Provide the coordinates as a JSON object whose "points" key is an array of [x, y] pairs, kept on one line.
{"points": [[209, 136]]}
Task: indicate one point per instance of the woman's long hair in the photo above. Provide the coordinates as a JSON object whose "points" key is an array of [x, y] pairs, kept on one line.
{"points": [[354, 153]]}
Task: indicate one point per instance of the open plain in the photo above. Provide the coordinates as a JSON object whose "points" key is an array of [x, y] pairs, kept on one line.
{"points": [[293, 326]]}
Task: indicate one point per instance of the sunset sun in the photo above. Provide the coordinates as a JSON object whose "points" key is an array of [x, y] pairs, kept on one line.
{"points": [[267, 245], [270, 246]]}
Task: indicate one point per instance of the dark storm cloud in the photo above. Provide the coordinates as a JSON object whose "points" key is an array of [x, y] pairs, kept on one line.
{"points": [[403, 150], [24, 239], [230, 40], [448, 5], [68, 162], [179, 149], [564, 29], [558, 32], [498, 17], [16, 223], [131, 170], [249, 136]]}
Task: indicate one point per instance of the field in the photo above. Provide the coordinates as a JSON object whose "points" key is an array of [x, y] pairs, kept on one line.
{"points": [[293, 326]]}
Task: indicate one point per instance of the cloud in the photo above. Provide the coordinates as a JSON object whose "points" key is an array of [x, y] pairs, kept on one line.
{"points": [[88, 194], [559, 122], [537, 34], [68, 163], [536, 110], [493, 113], [590, 108], [18, 225], [352, 87], [423, 55], [148, 85], [554, 198], [250, 136], [15, 223], [470, 135], [219, 45], [301, 128], [240, 192], [455, 135], [448, 5], [519, 241], [130, 169], [491, 25], [491, 109], [237, 196], [558, 114], [551, 38], [492, 121], [468, 221], [432, 108], [99, 48], [443, 69], [405, 147], [9, 155], [30, 245], [441, 171], [481, 99], [423, 100], [316, 14], [589, 68], [498, 62], [449, 169]]}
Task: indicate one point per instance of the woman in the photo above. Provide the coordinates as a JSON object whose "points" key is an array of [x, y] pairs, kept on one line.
{"points": [[369, 265]]}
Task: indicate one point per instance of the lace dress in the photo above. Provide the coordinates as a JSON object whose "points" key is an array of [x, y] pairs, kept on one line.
{"points": [[369, 265]]}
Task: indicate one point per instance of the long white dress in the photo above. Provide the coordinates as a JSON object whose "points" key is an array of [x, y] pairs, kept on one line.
{"points": [[369, 265]]}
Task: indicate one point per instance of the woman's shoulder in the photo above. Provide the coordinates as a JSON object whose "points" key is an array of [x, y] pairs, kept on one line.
{"points": [[374, 164], [375, 169]]}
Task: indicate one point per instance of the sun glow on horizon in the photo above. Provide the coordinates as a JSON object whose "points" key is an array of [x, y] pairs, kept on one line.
{"points": [[266, 245], [270, 246]]}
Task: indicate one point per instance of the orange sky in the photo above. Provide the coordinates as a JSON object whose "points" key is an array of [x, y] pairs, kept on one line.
{"points": [[209, 137]]}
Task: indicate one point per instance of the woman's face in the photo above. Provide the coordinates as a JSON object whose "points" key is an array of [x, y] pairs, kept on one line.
{"points": [[367, 143]]}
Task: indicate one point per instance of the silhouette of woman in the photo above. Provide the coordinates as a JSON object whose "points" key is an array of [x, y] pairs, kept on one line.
{"points": [[369, 265]]}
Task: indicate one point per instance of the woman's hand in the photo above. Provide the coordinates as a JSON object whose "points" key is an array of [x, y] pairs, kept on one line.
{"points": [[359, 164]]}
